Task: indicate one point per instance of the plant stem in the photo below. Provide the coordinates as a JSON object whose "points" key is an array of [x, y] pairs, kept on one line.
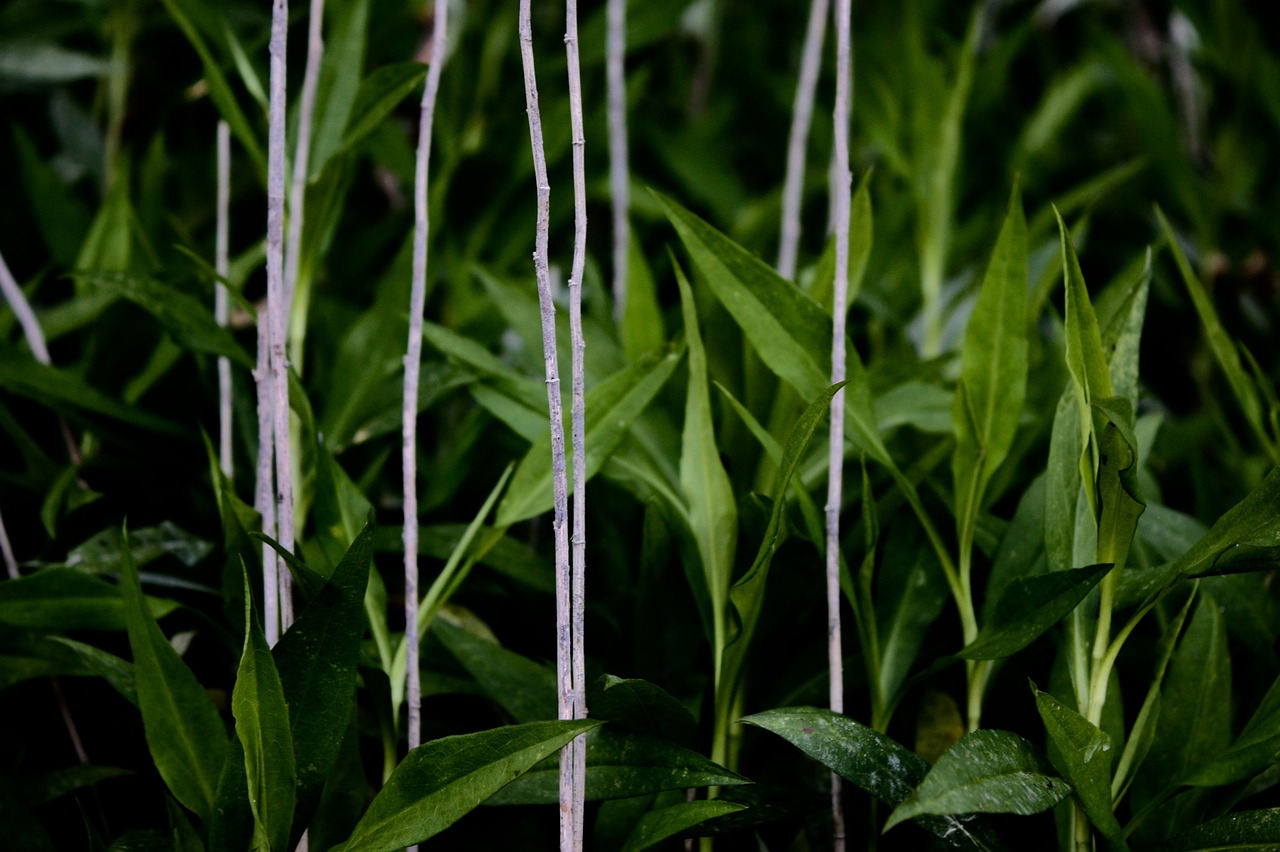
{"points": [[578, 419], [276, 308], [797, 141], [221, 302], [559, 486], [412, 369], [619, 169]]}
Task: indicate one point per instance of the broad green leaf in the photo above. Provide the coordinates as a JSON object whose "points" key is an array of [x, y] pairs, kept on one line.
{"points": [[231, 824], [524, 689], [66, 599], [640, 706], [910, 595], [1244, 831], [109, 667], [189, 321], [713, 514], [657, 826], [1257, 747], [988, 771], [65, 392], [438, 783], [747, 594], [1084, 758], [1120, 502], [865, 757], [790, 331], [611, 407], [100, 554], [529, 392], [186, 737], [262, 725], [1123, 335], [317, 659], [1028, 607], [620, 764], [183, 11], [1224, 349], [379, 94], [338, 84], [54, 785], [993, 373]]}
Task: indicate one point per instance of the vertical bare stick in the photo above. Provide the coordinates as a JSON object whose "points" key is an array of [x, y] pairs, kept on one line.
{"points": [[302, 155], [619, 169], [578, 417], [840, 188], [264, 487], [412, 367], [559, 487], [221, 305], [798, 141], [10, 561], [276, 308]]}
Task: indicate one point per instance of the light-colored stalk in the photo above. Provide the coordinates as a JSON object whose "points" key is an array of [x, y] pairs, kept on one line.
{"points": [[798, 141], [302, 155], [578, 418], [10, 561], [276, 308], [264, 487], [619, 167], [412, 368], [221, 305], [559, 486], [840, 188]]}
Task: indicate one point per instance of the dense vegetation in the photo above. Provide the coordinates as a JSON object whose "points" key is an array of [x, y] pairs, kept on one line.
{"points": [[1061, 512]]}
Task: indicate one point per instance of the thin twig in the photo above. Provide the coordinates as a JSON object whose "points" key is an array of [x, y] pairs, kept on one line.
{"points": [[302, 155], [221, 304], [276, 308], [578, 418], [798, 141], [10, 561], [412, 367], [264, 487], [559, 487], [840, 189], [26, 317], [619, 168]]}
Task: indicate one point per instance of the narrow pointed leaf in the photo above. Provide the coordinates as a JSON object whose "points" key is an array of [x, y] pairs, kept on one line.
{"points": [[440, 782], [66, 392], [988, 771], [262, 725], [187, 739], [1028, 607], [657, 826], [1084, 757], [642, 707], [1246, 831], [379, 94], [66, 599], [621, 764]]}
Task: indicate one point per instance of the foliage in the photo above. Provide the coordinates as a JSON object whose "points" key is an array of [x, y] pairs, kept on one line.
{"points": [[1061, 410]]}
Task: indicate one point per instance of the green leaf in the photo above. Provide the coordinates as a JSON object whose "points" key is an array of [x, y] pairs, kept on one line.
{"points": [[611, 407], [524, 689], [865, 757], [65, 599], [1224, 349], [747, 594], [642, 707], [713, 514], [1120, 502], [189, 321], [791, 333], [1084, 758], [262, 725], [100, 554], [54, 785], [183, 12], [317, 659], [115, 671], [657, 826], [438, 783], [1028, 607], [987, 771], [1245, 831], [67, 393], [186, 737], [993, 373], [1257, 747], [909, 597], [620, 764], [641, 330], [380, 93], [338, 85]]}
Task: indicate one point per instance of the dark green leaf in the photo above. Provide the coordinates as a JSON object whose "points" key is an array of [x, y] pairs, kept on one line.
{"points": [[1246, 831], [642, 707], [987, 771], [379, 94], [438, 783], [657, 826], [64, 391], [1028, 607], [523, 688], [66, 599]]}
